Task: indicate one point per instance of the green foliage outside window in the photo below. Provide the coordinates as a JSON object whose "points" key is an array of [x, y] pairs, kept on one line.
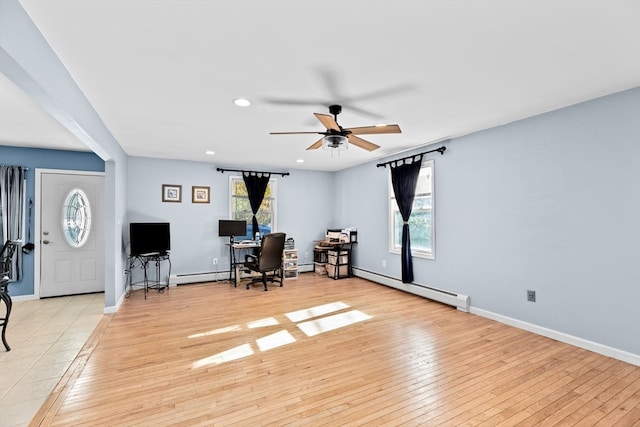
{"points": [[419, 227]]}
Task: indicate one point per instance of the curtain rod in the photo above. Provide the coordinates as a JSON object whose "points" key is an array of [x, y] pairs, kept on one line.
{"points": [[23, 167], [441, 150], [223, 170]]}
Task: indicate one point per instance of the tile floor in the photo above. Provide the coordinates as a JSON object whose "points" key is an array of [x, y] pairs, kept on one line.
{"points": [[45, 336]]}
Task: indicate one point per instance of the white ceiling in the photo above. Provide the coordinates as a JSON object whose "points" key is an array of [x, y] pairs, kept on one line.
{"points": [[162, 74]]}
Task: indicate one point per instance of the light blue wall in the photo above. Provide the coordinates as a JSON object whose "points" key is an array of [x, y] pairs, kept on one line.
{"points": [[305, 209], [551, 203], [29, 62], [33, 158]]}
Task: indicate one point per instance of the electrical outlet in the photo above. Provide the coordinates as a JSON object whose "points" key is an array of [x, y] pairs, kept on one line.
{"points": [[384, 263], [215, 261], [125, 271], [531, 296], [306, 254]]}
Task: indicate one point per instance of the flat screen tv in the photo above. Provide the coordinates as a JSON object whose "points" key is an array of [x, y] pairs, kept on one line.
{"points": [[149, 238], [231, 227]]}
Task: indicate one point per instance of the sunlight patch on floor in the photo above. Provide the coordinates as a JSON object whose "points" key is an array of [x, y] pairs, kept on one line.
{"points": [[269, 321], [329, 323], [284, 337], [217, 331], [308, 313], [275, 340], [235, 353]]}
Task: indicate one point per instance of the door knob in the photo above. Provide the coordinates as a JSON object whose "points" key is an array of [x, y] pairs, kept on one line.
{"points": [[46, 242]]}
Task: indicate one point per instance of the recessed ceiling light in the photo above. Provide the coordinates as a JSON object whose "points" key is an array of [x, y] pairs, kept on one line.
{"points": [[300, 160], [210, 152], [242, 102]]}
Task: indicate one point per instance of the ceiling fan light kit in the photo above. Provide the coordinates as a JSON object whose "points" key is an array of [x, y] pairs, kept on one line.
{"points": [[335, 142], [338, 138]]}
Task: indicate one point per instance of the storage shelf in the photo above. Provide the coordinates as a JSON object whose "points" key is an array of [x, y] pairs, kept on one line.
{"points": [[333, 259], [290, 264], [338, 263]]}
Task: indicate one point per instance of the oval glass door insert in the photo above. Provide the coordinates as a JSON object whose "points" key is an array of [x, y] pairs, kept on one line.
{"points": [[76, 218]]}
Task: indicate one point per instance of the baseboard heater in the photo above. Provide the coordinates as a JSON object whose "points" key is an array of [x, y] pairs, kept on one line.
{"points": [[212, 276], [461, 302]]}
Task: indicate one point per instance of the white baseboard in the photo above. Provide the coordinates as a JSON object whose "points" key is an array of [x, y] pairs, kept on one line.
{"points": [[305, 268], [19, 298], [615, 353], [114, 308]]}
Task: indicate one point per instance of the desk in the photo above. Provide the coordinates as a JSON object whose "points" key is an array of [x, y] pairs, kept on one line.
{"points": [[236, 263], [143, 262]]}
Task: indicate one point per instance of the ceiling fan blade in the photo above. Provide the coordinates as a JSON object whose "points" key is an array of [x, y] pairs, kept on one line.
{"points": [[315, 145], [328, 121], [368, 130], [361, 112], [394, 90], [330, 81], [291, 101], [294, 133], [359, 142]]}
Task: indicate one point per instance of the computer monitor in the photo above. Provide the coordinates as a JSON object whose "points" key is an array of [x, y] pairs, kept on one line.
{"points": [[231, 227], [149, 238]]}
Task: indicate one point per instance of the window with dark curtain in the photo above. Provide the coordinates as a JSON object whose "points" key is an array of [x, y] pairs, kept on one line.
{"points": [[404, 178], [256, 183]]}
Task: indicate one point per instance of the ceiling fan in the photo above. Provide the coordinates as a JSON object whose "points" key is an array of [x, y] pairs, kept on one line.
{"points": [[333, 83], [336, 137]]}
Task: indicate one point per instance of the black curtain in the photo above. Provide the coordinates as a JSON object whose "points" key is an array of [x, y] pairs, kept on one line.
{"points": [[256, 183], [404, 178], [12, 188]]}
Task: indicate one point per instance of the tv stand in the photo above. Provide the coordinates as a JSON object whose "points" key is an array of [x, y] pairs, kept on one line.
{"points": [[142, 262]]}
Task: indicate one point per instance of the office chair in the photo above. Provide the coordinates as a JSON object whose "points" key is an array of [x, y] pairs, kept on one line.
{"points": [[6, 255], [268, 260]]}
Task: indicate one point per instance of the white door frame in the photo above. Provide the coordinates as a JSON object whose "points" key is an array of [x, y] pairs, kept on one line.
{"points": [[36, 219]]}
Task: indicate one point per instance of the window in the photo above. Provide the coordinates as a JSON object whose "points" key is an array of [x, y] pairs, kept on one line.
{"points": [[76, 218], [240, 208], [421, 220]]}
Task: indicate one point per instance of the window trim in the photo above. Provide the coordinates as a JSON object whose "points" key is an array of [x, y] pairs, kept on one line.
{"points": [[393, 207]]}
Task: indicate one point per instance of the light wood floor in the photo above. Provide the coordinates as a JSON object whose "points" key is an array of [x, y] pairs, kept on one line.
{"points": [[319, 352]]}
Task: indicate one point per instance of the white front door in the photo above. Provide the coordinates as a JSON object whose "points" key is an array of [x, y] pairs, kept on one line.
{"points": [[71, 240]]}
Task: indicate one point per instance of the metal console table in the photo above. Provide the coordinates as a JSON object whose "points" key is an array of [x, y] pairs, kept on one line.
{"points": [[6, 255], [143, 261], [6, 299]]}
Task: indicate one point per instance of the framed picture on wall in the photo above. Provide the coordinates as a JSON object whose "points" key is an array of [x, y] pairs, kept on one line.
{"points": [[200, 194], [171, 193]]}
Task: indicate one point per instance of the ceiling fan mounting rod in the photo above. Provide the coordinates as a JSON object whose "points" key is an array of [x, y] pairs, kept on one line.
{"points": [[335, 110]]}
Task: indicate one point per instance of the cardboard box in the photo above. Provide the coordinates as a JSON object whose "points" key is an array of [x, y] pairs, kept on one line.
{"points": [[319, 268], [334, 258], [343, 270]]}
